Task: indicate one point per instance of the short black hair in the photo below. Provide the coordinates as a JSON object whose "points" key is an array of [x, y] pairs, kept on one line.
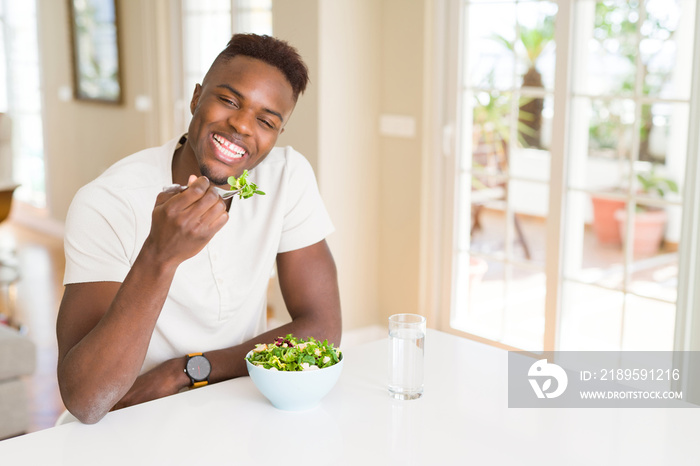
{"points": [[272, 51]]}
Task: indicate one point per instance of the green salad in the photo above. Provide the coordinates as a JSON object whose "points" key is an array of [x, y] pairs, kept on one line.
{"points": [[247, 188], [294, 354]]}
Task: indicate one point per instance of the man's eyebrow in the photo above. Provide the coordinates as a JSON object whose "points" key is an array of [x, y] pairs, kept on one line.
{"points": [[267, 110]]}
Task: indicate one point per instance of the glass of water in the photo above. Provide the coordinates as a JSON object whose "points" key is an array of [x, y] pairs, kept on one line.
{"points": [[406, 351]]}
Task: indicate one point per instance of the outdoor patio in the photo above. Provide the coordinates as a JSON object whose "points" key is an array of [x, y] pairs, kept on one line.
{"points": [[506, 302]]}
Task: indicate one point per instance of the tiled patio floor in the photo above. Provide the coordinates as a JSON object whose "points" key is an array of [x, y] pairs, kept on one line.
{"points": [[595, 313]]}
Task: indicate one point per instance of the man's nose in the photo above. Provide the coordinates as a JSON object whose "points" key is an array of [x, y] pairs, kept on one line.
{"points": [[241, 121]]}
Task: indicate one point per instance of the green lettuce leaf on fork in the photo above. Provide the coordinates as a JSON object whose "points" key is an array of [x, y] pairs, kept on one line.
{"points": [[247, 188]]}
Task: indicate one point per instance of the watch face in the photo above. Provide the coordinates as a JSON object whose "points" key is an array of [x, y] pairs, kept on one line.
{"points": [[198, 367]]}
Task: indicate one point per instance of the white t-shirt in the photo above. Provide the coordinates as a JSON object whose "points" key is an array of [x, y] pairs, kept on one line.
{"points": [[218, 297]]}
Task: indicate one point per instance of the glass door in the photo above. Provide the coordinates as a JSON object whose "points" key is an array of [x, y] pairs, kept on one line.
{"points": [[629, 118], [502, 197], [561, 106]]}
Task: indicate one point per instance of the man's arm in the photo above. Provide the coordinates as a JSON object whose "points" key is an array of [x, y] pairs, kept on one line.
{"points": [[309, 284], [104, 328]]}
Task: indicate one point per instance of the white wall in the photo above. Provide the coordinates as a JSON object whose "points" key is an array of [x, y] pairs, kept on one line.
{"points": [[400, 161], [349, 156]]}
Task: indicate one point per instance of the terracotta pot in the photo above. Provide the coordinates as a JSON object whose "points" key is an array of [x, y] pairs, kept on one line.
{"points": [[649, 228], [605, 226]]}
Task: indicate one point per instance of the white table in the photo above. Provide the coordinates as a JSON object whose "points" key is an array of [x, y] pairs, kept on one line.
{"points": [[462, 418]]}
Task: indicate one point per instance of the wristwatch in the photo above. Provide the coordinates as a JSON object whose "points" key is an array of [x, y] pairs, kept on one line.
{"points": [[198, 369]]}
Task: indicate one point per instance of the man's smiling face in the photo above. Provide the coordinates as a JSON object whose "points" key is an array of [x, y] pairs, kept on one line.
{"points": [[238, 112]]}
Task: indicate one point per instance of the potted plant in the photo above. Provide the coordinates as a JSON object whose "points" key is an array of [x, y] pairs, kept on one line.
{"points": [[649, 221], [605, 226]]}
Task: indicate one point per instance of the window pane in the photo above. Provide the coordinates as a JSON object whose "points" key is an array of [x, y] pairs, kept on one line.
{"points": [[647, 224], [524, 309], [488, 232], [663, 133], [602, 145], [606, 42], [605, 219], [505, 233], [655, 276], [610, 128], [593, 252], [501, 302], [206, 36], [655, 233], [529, 203], [491, 33], [206, 30], [504, 53], [479, 297], [534, 121], [22, 98], [534, 44], [29, 168], [495, 231], [490, 131], [665, 49]]}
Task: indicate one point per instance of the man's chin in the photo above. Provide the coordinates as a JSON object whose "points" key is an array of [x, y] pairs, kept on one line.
{"points": [[216, 179]]}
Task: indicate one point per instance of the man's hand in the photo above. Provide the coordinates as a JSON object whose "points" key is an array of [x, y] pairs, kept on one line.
{"points": [[166, 379], [183, 223]]}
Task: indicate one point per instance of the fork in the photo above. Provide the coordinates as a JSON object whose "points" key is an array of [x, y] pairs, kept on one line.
{"points": [[224, 193]]}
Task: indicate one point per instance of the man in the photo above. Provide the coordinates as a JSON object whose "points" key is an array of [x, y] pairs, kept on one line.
{"points": [[148, 287]]}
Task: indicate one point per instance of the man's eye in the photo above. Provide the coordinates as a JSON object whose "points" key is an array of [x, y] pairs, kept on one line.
{"points": [[266, 123], [228, 102]]}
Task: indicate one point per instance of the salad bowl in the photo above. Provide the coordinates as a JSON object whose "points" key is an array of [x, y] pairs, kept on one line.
{"points": [[297, 390]]}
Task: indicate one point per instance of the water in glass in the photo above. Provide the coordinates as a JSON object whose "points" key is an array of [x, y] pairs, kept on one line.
{"points": [[406, 351]]}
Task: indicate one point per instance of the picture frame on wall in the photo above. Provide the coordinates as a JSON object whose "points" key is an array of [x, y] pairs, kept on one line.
{"points": [[96, 60]]}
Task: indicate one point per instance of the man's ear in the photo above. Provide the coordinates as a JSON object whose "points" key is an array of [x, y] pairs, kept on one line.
{"points": [[195, 97]]}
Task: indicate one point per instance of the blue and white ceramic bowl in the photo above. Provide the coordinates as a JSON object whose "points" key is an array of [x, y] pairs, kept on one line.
{"points": [[295, 391]]}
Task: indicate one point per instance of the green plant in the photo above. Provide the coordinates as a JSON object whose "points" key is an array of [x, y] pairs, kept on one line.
{"points": [[655, 184], [619, 26], [490, 118], [534, 41]]}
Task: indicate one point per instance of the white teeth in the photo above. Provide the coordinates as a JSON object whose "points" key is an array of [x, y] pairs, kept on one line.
{"points": [[230, 149], [227, 152]]}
